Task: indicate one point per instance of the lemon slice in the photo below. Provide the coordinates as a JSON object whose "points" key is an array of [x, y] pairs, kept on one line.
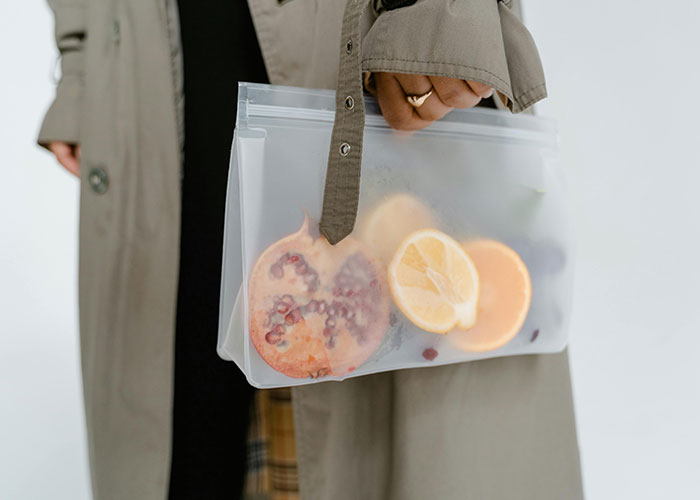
{"points": [[434, 282]]}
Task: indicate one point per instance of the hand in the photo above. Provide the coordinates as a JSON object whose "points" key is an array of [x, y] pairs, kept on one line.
{"points": [[67, 155], [448, 93]]}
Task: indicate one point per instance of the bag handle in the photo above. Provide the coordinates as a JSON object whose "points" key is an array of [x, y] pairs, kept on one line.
{"points": [[342, 191]]}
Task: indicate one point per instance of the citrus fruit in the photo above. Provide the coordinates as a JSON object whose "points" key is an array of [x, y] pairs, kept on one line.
{"points": [[434, 282], [504, 300], [384, 227], [316, 309]]}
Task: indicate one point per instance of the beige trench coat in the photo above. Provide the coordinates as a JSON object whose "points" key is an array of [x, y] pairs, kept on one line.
{"points": [[497, 429]]}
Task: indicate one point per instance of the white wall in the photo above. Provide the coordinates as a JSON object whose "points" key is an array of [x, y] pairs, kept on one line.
{"points": [[622, 80], [42, 437]]}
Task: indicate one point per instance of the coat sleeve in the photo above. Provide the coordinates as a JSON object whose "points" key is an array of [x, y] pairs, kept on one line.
{"points": [[62, 120], [480, 40]]}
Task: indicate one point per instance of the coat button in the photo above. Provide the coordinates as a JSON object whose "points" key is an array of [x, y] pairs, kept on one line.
{"points": [[98, 180]]}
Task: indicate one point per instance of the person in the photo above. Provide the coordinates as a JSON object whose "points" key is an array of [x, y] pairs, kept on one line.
{"points": [[144, 115]]}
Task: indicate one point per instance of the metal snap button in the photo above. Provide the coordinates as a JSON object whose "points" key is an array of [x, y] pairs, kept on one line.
{"points": [[349, 103], [98, 180], [344, 149], [348, 47]]}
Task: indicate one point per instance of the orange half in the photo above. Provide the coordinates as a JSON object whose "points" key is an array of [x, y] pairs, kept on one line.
{"points": [[504, 299]]}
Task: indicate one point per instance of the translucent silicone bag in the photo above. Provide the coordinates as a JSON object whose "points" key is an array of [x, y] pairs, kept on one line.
{"points": [[475, 175]]}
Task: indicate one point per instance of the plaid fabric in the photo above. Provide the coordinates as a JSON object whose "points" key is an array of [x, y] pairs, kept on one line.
{"points": [[272, 459]]}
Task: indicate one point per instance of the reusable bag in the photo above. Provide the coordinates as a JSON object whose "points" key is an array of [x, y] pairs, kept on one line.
{"points": [[479, 183]]}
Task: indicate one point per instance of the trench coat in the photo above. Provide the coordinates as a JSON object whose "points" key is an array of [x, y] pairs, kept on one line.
{"points": [[495, 429]]}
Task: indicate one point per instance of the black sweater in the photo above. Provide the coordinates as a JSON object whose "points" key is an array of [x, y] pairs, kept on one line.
{"points": [[211, 396]]}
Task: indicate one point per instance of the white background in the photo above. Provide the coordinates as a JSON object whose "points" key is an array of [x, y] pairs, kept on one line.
{"points": [[623, 80]]}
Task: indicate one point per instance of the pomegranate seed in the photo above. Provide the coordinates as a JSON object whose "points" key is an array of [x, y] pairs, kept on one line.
{"points": [[294, 258], [276, 271], [535, 334], [293, 317], [430, 354], [282, 308], [272, 338]]}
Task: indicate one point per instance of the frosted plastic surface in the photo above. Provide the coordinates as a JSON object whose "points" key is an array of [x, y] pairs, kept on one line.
{"points": [[482, 173]]}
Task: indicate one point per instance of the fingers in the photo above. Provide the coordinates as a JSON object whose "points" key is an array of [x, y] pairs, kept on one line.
{"points": [[455, 93], [460, 93], [480, 89], [67, 155], [398, 113], [449, 93], [433, 108]]}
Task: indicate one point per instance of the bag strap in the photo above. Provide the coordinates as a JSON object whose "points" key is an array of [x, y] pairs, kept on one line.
{"points": [[342, 190]]}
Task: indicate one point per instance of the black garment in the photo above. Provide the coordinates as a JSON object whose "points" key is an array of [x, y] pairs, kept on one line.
{"points": [[212, 397]]}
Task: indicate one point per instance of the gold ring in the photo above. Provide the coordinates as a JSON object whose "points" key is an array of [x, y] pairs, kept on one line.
{"points": [[418, 100]]}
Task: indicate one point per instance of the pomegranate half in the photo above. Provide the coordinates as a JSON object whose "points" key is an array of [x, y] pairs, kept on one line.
{"points": [[317, 309]]}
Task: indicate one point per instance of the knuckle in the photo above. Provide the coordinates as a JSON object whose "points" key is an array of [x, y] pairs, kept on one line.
{"points": [[398, 121], [467, 100], [480, 89], [431, 115], [453, 97], [471, 102], [406, 125]]}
